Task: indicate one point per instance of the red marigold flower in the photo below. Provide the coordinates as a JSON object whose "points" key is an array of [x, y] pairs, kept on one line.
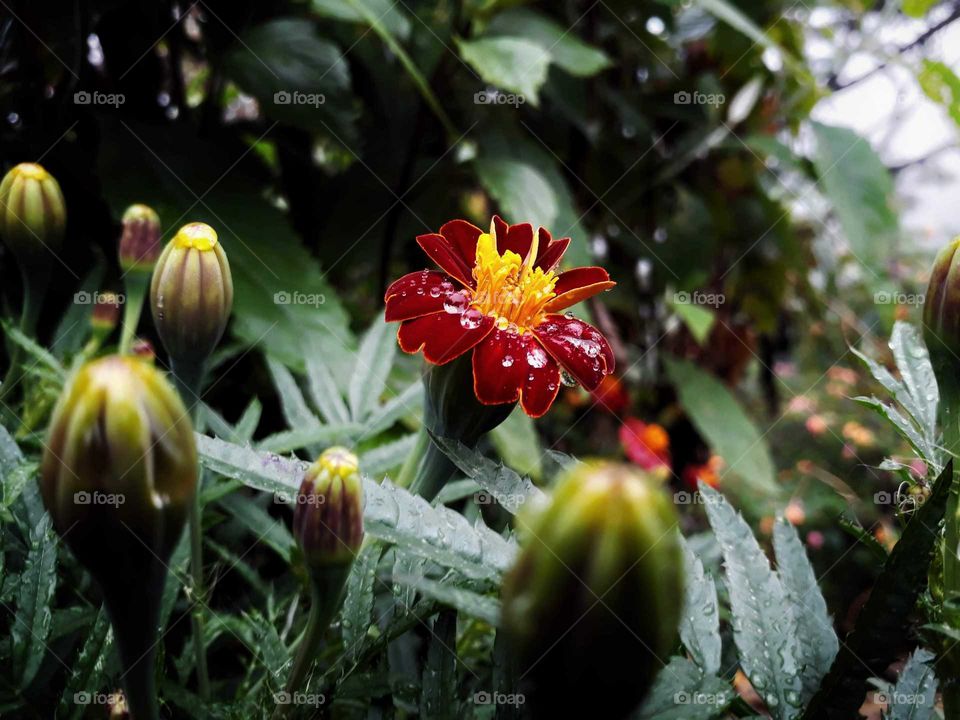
{"points": [[501, 296]]}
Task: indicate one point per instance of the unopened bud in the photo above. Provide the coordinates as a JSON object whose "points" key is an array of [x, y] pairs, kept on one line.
{"points": [[593, 602], [33, 214], [140, 240], [191, 294], [106, 313], [328, 518], [941, 309]]}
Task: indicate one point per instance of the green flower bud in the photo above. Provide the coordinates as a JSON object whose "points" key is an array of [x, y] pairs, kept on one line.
{"points": [[328, 517], [140, 240], [191, 294], [941, 308], [594, 600], [32, 214], [106, 313], [118, 475], [120, 459]]}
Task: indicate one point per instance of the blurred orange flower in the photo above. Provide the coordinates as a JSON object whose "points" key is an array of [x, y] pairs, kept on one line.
{"points": [[647, 445]]}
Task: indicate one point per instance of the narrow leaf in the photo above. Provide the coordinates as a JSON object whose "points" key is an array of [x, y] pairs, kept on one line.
{"points": [[700, 624], [373, 362]]}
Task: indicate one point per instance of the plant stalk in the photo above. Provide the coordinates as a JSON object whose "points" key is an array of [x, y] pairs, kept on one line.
{"points": [[326, 592], [136, 286], [34, 288], [189, 381]]}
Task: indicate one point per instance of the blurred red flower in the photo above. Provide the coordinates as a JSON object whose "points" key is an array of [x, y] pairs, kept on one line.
{"points": [[709, 472], [647, 445], [500, 296]]}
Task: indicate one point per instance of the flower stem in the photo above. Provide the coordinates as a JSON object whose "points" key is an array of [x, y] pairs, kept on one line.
{"points": [[950, 423], [34, 288], [189, 381], [133, 603], [136, 285], [326, 592]]}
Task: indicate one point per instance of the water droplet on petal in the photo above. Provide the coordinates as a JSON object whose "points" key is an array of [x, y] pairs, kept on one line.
{"points": [[507, 361]]}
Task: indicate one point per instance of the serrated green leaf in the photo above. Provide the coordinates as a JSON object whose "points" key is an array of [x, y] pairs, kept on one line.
{"points": [[390, 513], [721, 420], [880, 628], [438, 693], [915, 694], [324, 389], [384, 457], [38, 357], [31, 624], [564, 48], [87, 674], [818, 642], [372, 365], [906, 428], [287, 441], [682, 692], [271, 531], [467, 601], [383, 417], [518, 443], [700, 624], [511, 64], [358, 606], [913, 362], [765, 630], [292, 403], [501, 483]]}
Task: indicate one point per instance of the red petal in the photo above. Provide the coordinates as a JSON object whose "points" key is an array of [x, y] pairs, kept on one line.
{"points": [[508, 366], [447, 257], [551, 253], [421, 293], [462, 236], [444, 336], [580, 348], [578, 284], [517, 238], [500, 227]]}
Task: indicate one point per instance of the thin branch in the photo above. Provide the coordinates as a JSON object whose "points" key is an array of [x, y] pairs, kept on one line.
{"points": [[834, 84]]}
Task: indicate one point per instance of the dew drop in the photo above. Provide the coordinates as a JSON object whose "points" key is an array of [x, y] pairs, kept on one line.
{"points": [[435, 291], [536, 358], [455, 303], [470, 320], [507, 361], [567, 379]]}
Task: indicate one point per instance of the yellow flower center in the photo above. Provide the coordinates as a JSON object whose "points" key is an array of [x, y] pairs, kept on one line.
{"points": [[339, 462], [509, 289], [197, 235]]}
